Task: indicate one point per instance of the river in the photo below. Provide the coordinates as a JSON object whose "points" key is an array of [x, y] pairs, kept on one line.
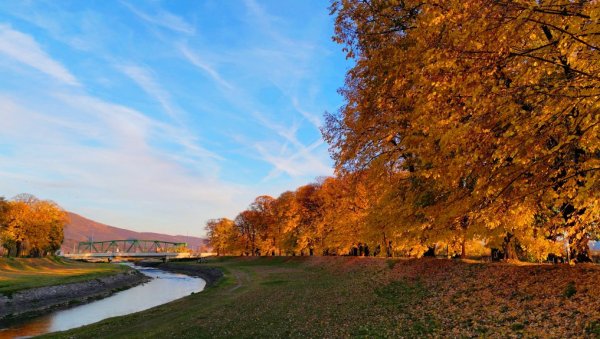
{"points": [[164, 287]]}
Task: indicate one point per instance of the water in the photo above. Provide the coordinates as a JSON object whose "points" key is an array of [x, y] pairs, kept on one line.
{"points": [[164, 287]]}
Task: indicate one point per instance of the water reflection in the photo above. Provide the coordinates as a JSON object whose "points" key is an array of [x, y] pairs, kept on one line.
{"points": [[163, 288]]}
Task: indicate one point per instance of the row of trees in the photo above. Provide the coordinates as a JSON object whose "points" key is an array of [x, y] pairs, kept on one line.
{"points": [[334, 216], [303, 222], [464, 122], [31, 227]]}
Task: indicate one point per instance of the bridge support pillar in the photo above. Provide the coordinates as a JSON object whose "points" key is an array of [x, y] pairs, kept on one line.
{"points": [[165, 259]]}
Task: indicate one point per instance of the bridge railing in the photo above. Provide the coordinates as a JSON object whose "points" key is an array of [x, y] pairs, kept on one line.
{"points": [[130, 246]]}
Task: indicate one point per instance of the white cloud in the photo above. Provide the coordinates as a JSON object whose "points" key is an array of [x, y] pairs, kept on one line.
{"points": [[26, 50], [195, 60], [164, 19], [298, 161], [104, 153], [300, 164], [145, 79], [315, 120], [144, 170]]}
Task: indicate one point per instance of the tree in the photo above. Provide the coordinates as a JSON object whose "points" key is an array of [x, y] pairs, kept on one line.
{"points": [[310, 209], [286, 217], [464, 122], [494, 105], [222, 236], [32, 227], [4, 208]]}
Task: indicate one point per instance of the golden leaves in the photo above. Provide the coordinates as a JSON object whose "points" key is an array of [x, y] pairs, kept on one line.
{"points": [[32, 227], [459, 110], [489, 87]]}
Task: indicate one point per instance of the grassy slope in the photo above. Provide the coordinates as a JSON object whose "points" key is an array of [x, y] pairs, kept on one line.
{"points": [[23, 273], [336, 296]]}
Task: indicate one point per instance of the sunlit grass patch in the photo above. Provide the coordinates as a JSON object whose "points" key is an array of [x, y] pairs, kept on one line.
{"points": [[23, 273]]}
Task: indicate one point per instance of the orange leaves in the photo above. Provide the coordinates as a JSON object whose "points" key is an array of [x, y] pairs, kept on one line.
{"points": [[492, 91], [474, 111], [32, 227]]}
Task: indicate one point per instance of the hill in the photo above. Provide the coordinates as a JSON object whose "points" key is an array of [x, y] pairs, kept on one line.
{"points": [[82, 229]]}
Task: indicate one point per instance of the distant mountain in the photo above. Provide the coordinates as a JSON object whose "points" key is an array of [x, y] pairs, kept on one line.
{"points": [[81, 229]]}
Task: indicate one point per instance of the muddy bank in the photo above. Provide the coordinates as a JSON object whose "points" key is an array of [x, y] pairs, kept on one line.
{"points": [[37, 300], [210, 274]]}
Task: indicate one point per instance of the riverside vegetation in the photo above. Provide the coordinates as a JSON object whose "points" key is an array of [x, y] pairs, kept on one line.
{"points": [[372, 297], [33, 286], [30, 226], [18, 274]]}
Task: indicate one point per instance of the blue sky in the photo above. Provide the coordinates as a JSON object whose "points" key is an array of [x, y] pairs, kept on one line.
{"points": [[157, 116]]}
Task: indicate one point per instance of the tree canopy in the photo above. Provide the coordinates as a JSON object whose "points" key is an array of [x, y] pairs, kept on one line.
{"points": [[31, 227], [464, 121]]}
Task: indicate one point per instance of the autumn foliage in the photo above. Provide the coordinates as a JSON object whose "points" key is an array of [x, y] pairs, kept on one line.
{"points": [[31, 227], [464, 123]]}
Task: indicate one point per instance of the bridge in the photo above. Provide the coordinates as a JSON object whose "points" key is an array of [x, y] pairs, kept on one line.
{"points": [[129, 249]]}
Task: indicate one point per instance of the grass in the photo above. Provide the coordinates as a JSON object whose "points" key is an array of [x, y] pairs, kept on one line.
{"points": [[368, 297], [23, 273]]}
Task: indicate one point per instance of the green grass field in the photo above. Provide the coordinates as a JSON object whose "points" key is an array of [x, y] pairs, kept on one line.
{"points": [[22, 273], [369, 297]]}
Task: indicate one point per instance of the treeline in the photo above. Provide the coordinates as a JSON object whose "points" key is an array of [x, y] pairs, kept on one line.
{"points": [[334, 216], [303, 222], [30, 227], [465, 122]]}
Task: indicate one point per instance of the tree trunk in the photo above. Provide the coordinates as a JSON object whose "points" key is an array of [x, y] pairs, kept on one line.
{"points": [[388, 246], [510, 247], [580, 251], [19, 248], [464, 224], [430, 251]]}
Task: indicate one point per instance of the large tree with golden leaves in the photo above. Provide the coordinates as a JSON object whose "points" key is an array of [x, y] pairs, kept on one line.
{"points": [[488, 111], [30, 226]]}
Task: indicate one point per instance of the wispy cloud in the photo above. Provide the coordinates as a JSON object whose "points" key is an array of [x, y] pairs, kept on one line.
{"points": [[172, 127], [297, 161], [111, 152], [300, 164], [314, 119], [164, 19], [135, 130], [146, 80], [197, 61], [26, 50]]}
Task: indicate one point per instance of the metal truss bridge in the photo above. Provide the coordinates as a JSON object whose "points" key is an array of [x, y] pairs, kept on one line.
{"points": [[129, 249]]}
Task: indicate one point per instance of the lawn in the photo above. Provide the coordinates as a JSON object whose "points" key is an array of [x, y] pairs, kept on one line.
{"points": [[371, 297], [22, 273]]}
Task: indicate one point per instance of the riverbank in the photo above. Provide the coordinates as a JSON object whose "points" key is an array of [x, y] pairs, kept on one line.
{"points": [[209, 274], [24, 273], [33, 286], [349, 296]]}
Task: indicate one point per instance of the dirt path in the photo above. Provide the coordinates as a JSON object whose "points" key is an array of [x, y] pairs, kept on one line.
{"points": [[242, 278]]}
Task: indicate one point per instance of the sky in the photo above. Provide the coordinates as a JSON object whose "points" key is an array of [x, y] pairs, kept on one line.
{"points": [[157, 116]]}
